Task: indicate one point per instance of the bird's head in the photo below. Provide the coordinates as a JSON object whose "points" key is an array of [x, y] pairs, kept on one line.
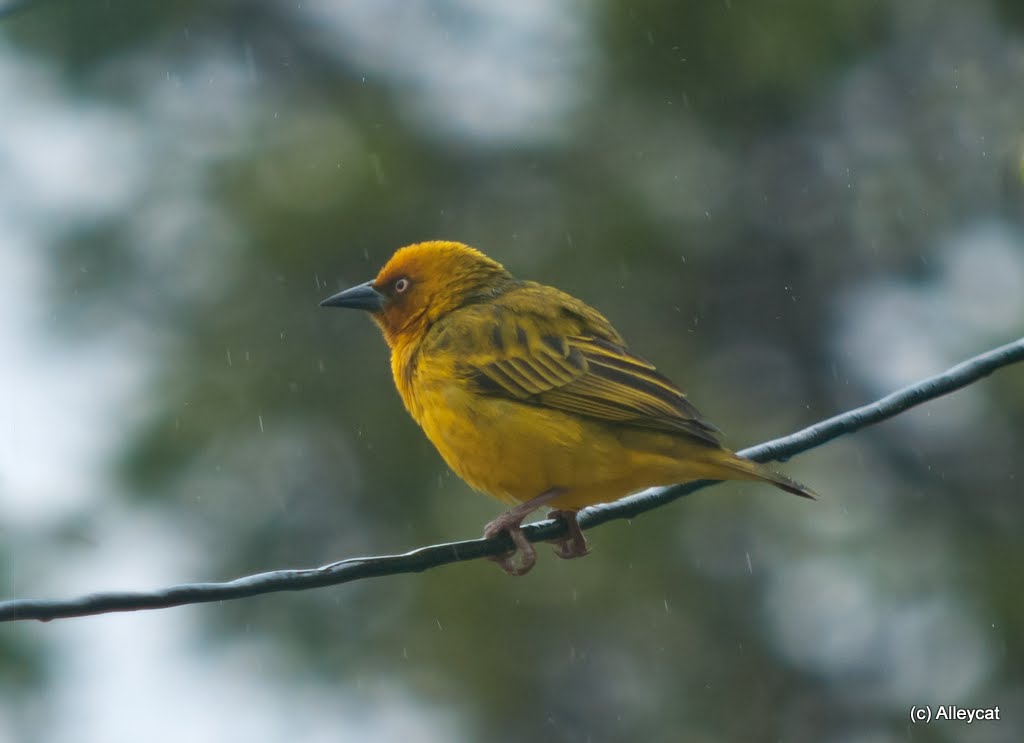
{"points": [[422, 283]]}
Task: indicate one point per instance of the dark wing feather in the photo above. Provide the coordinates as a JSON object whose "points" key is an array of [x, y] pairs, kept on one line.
{"points": [[518, 354]]}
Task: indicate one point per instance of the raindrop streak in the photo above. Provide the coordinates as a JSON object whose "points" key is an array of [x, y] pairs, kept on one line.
{"points": [[260, 419], [250, 64], [378, 169], [750, 567]]}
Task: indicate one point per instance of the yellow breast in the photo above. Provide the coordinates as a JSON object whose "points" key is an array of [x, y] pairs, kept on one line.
{"points": [[515, 451]]}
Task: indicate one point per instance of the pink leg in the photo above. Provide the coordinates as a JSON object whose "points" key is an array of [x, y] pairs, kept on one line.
{"points": [[574, 544], [512, 522]]}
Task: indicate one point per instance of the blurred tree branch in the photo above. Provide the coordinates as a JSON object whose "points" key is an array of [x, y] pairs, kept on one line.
{"points": [[424, 558]]}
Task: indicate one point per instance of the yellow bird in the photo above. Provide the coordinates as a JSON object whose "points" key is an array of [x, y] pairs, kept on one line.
{"points": [[531, 396]]}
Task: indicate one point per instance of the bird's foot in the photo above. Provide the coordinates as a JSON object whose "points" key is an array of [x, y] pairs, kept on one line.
{"points": [[511, 523], [573, 544]]}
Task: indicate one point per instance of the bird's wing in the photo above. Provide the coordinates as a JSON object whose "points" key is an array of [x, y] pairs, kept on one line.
{"points": [[521, 355]]}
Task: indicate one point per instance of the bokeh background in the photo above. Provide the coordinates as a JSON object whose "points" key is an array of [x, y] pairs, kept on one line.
{"points": [[792, 208]]}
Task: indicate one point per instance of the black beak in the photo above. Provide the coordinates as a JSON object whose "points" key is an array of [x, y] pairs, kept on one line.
{"points": [[362, 297]]}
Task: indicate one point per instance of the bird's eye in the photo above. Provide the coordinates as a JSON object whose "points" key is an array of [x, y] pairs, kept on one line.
{"points": [[402, 285]]}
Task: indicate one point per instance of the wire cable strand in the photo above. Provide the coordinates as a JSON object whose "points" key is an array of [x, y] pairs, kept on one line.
{"points": [[425, 558]]}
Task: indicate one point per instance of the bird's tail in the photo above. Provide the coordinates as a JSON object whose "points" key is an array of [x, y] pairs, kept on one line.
{"points": [[746, 469]]}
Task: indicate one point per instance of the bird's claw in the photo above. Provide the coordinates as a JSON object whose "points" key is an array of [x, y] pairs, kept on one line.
{"points": [[527, 555], [573, 544]]}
